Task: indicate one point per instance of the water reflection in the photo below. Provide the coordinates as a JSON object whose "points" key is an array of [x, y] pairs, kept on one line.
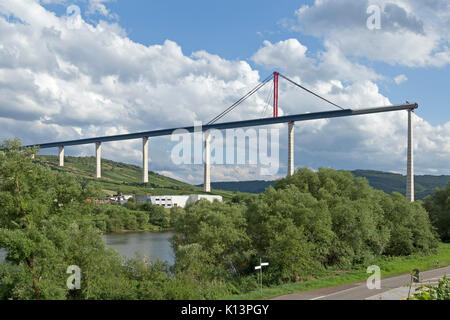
{"points": [[150, 244], [2, 255]]}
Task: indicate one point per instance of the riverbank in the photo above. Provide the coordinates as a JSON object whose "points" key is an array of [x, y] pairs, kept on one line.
{"points": [[156, 229], [390, 266]]}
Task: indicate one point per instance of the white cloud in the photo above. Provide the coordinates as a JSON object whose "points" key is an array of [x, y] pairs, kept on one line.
{"points": [[59, 83], [97, 6], [400, 79], [291, 56], [376, 141], [413, 33]]}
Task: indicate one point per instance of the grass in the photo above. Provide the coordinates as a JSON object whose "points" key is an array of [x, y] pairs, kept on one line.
{"points": [[391, 266], [126, 178]]}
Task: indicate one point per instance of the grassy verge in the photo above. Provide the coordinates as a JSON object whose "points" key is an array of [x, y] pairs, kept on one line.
{"points": [[389, 267]]}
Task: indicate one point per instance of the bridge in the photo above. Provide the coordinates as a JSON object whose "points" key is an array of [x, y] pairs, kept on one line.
{"points": [[275, 119]]}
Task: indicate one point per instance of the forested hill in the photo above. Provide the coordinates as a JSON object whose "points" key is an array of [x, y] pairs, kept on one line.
{"points": [[388, 182], [124, 178]]}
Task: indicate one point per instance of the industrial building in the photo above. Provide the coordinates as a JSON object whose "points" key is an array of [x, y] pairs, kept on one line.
{"points": [[170, 201]]}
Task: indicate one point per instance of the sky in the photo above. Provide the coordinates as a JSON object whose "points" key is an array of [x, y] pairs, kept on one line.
{"points": [[78, 69]]}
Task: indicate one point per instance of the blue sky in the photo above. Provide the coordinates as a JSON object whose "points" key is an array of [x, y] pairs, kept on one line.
{"points": [[235, 30], [136, 65]]}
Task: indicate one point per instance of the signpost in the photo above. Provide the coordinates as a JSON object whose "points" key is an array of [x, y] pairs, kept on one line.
{"points": [[261, 264]]}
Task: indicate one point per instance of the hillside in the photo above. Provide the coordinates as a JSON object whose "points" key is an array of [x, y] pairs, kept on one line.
{"points": [[125, 178], [388, 182], [424, 185], [251, 186]]}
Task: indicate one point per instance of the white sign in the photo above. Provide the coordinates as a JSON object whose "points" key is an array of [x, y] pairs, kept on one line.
{"points": [[261, 264]]}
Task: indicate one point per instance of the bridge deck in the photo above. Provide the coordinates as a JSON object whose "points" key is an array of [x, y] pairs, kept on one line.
{"points": [[230, 125]]}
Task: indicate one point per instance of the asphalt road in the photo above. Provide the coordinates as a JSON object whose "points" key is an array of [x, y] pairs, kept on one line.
{"points": [[359, 291]]}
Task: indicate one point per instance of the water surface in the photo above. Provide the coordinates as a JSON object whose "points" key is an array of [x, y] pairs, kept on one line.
{"points": [[150, 244], [2, 255]]}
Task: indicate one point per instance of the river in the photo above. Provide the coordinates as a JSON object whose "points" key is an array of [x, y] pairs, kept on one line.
{"points": [[150, 244], [2, 254]]}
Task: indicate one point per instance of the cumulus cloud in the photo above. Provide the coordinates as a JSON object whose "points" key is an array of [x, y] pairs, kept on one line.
{"points": [[412, 33], [377, 141], [98, 6], [291, 56], [58, 82], [400, 79]]}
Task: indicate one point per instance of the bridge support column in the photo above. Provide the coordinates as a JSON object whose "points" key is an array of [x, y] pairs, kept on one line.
{"points": [[61, 156], [291, 148], [145, 159], [98, 155], [410, 158], [207, 164]]}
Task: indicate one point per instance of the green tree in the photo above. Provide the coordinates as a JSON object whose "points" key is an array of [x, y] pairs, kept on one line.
{"points": [[159, 216], [43, 236], [290, 254], [438, 207], [439, 292], [216, 232], [409, 226]]}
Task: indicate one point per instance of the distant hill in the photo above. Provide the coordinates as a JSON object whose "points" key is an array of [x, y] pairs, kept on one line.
{"points": [[126, 178], [424, 185], [388, 182], [252, 186]]}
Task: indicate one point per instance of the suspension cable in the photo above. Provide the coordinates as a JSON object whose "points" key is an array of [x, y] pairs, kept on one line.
{"points": [[315, 94], [268, 99], [259, 86], [234, 105]]}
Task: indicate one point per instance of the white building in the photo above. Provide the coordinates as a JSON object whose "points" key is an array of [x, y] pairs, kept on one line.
{"points": [[169, 201], [122, 199]]}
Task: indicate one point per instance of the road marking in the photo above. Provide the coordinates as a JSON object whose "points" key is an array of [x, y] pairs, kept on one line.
{"points": [[334, 293]]}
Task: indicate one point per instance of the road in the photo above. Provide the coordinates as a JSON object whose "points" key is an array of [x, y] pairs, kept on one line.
{"points": [[392, 288]]}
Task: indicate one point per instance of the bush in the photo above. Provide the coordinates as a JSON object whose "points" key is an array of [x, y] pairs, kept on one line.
{"points": [[305, 223], [438, 207], [216, 232], [441, 292]]}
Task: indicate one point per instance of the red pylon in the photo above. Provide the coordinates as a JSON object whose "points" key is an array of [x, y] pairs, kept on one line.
{"points": [[275, 94]]}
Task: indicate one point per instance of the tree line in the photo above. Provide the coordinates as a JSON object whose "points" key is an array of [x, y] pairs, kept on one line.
{"points": [[305, 225]]}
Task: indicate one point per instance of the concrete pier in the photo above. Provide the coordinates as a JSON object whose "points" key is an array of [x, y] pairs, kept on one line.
{"points": [[98, 155], [207, 164], [291, 167], [145, 159], [410, 158], [61, 156]]}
